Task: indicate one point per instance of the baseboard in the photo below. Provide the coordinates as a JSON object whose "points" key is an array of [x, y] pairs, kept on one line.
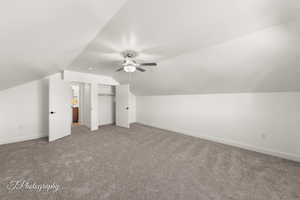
{"points": [[108, 124], [288, 156], [22, 138]]}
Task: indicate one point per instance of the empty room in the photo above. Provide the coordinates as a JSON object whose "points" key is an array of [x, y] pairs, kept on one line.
{"points": [[150, 100]]}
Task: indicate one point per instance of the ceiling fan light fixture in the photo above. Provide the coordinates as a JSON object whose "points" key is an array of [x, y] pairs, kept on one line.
{"points": [[130, 65], [129, 68]]}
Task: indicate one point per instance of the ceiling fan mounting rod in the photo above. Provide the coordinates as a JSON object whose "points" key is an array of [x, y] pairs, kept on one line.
{"points": [[129, 54]]}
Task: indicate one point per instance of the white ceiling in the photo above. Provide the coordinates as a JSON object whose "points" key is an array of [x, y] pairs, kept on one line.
{"points": [[264, 61], [202, 46], [41, 37]]}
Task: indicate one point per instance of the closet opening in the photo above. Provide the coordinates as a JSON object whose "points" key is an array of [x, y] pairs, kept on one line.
{"points": [[106, 105], [75, 103]]}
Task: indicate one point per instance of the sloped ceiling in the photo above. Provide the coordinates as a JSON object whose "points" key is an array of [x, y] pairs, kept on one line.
{"points": [[42, 37], [202, 46]]}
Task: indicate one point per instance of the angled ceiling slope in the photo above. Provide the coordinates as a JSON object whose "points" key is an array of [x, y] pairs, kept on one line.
{"points": [[41, 37], [202, 46]]}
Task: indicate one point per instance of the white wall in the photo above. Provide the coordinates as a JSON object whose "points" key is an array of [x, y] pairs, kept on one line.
{"points": [[80, 77], [265, 122], [81, 103], [106, 89], [85, 106], [24, 109], [24, 112], [94, 107]]}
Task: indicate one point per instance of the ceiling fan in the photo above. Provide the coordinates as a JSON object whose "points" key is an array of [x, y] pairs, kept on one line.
{"points": [[130, 65]]}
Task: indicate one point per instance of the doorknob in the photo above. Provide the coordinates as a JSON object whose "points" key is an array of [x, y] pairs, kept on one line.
{"points": [[52, 112]]}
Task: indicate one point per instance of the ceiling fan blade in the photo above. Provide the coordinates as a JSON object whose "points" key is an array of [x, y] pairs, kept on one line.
{"points": [[120, 69], [140, 69], [148, 64]]}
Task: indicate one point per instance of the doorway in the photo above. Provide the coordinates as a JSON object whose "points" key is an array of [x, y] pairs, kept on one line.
{"points": [[106, 105], [75, 103]]}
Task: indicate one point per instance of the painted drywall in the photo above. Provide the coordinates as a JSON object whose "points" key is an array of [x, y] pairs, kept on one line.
{"points": [[81, 103], [202, 46], [85, 106], [80, 77], [94, 107], [264, 122], [39, 38], [24, 112], [24, 109], [106, 89]]}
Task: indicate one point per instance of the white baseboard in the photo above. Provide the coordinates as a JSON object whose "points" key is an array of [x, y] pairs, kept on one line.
{"points": [[271, 152], [22, 138], [107, 124]]}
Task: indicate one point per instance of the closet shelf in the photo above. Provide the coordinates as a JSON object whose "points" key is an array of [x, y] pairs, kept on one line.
{"points": [[105, 94]]}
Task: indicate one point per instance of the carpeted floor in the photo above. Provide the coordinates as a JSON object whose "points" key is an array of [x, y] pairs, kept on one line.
{"points": [[141, 163]]}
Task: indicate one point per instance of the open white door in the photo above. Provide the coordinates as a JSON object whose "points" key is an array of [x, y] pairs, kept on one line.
{"points": [[122, 106], [60, 112]]}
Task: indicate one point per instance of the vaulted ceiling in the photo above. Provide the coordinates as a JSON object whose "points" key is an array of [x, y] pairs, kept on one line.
{"points": [[202, 46], [42, 37]]}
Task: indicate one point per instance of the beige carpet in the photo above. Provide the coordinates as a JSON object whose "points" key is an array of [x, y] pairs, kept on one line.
{"points": [[141, 163]]}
